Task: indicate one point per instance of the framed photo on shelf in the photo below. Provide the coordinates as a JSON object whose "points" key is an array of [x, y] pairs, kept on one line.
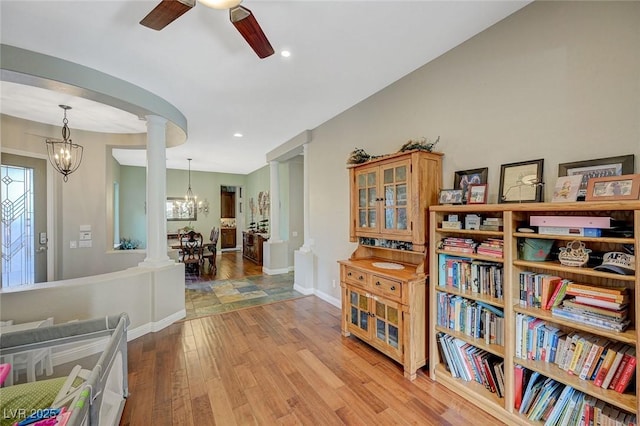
{"points": [[477, 194], [463, 178], [521, 182], [601, 167], [450, 196], [566, 189], [613, 188]]}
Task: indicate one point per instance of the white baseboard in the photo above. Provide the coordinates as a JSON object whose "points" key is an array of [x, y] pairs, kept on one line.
{"points": [[153, 327], [330, 299], [304, 290], [275, 271]]}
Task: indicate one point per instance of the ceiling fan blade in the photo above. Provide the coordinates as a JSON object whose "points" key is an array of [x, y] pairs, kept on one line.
{"points": [[166, 12], [246, 24]]}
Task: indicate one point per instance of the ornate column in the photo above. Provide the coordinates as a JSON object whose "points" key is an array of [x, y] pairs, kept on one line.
{"points": [[156, 193]]}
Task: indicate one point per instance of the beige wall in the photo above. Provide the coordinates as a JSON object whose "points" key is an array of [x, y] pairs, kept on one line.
{"points": [[80, 201], [556, 80]]}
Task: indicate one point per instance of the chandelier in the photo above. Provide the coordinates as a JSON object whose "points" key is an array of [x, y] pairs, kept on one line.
{"points": [[189, 198], [64, 155]]}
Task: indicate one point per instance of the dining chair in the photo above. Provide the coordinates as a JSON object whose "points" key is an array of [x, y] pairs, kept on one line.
{"points": [[192, 249], [211, 252]]}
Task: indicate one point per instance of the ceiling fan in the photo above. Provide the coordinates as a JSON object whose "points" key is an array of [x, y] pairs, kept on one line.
{"points": [[169, 10]]}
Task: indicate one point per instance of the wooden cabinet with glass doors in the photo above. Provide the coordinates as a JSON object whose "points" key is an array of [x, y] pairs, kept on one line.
{"points": [[386, 309], [384, 296], [390, 195]]}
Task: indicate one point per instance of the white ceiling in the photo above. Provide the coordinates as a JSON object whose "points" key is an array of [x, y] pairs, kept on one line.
{"points": [[341, 53]]}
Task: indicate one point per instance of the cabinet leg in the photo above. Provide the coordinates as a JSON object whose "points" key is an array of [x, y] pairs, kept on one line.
{"points": [[410, 375], [345, 333]]}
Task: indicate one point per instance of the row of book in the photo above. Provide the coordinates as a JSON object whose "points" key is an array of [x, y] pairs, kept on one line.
{"points": [[471, 363], [609, 364], [473, 318], [471, 275], [603, 307], [543, 291], [546, 400]]}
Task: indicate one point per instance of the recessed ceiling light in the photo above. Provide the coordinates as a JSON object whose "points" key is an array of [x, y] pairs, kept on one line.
{"points": [[237, 135], [285, 53]]}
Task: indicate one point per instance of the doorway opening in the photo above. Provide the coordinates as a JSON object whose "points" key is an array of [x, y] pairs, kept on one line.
{"points": [[229, 198]]}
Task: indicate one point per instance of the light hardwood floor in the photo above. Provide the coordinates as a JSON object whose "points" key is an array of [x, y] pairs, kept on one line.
{"points": [[283, 363]]}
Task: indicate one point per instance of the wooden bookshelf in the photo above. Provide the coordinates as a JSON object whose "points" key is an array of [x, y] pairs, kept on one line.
{"points": [[515, 216]]}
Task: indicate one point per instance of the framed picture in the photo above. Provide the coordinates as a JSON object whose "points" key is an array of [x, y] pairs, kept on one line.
{"points": [[521, 182], [613, 188], [450, 196], [178, 209], [611, 166], [463, 178], [477, 194], [566, 188]]}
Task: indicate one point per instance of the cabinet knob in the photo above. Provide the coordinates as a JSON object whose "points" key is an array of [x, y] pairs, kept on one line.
{"points": [[378, 283], [349, 274], [360, 277], [393, 288]]}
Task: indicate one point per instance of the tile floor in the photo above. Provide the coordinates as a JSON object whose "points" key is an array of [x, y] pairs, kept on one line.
{"points": [[204, 298]]}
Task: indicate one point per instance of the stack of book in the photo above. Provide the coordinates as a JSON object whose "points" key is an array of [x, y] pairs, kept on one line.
{"points": [[491, 224], [493, 247], [546, 400], [471, 363], [459, 245], [604, 307]]}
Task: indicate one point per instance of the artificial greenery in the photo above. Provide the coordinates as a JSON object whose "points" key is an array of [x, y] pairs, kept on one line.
{"points": [[128, 244]]}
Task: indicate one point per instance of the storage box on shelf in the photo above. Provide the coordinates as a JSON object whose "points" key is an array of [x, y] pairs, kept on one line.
{"points": [[384, 296], [531, 322]]}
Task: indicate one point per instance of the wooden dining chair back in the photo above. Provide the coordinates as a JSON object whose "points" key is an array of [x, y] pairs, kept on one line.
{"points": [[210, 253], [192, 251]]}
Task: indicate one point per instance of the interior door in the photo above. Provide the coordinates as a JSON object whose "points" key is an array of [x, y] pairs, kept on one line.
{"points": [[23, 191]]}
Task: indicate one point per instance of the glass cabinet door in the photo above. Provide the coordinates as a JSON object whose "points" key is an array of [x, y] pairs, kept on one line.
{"points": [[396, 197], [359, 316], [367, 186], [388, 325]]}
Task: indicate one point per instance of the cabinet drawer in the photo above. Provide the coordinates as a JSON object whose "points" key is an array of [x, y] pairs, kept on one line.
{"points": [[355, 276], [387, 287]]}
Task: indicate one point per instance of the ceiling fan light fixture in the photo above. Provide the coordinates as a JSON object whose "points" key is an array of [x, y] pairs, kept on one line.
{"points": [[220, 4]]}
